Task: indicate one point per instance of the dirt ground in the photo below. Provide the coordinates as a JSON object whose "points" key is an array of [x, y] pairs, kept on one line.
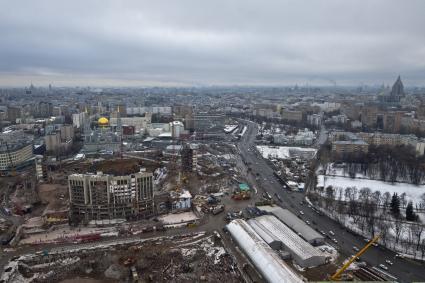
{"points": [[54, 196], [87, 280], [188, 258]]}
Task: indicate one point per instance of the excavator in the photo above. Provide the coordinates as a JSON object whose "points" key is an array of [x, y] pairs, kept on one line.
{"points": [[339, 272]]}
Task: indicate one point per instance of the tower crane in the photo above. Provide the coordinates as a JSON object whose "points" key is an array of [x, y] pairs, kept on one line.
{"points": [[338, 273]]}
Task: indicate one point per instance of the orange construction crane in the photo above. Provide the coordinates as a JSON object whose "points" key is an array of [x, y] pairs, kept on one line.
{"points": [[338, 273]]}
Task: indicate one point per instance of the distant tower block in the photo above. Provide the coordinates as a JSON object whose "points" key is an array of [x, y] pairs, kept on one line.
{"points": [[189, 160]]}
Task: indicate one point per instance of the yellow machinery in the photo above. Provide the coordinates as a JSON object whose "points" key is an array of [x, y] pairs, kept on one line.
{"points": [[337, 275]]}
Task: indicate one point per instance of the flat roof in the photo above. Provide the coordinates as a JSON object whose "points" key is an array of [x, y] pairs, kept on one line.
{"points": [[293, 222], [244, 187], [292, 241]]}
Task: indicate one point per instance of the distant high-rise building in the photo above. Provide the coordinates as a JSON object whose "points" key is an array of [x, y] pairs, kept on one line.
{"points": [[395, 95], [188, 158], [13, 113], [45, 109]]}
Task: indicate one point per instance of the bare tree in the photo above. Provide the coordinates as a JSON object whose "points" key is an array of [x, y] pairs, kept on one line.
{"points": [[386, 200], [422, 201], [398, 228], [403, 200], [383, 228], [423, 248], [330, 196], [416, 231]]}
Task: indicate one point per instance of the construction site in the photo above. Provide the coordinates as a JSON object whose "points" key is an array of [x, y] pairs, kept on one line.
{"points": [[186, 212], [196, 257]]}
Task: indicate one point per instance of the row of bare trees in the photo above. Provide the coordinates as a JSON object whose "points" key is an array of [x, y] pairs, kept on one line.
{"points": [[368, 213]]}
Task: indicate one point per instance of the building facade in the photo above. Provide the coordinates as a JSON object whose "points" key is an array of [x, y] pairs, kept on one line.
{"points": [[292, 115], [101, 196]]}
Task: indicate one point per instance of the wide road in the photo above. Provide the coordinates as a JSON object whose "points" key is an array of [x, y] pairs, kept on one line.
{"points": [[404, 270]]}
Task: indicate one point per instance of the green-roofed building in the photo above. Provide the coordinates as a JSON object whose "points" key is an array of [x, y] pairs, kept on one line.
{"points": [[243, 187]]}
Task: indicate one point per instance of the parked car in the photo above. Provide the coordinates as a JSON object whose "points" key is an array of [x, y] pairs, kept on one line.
{"points": [[331, 233], [389, 262], [383, 267], [356, 249]]}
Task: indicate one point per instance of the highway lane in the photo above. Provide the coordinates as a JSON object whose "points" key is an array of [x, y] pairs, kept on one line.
{"points": [[404, 270]]}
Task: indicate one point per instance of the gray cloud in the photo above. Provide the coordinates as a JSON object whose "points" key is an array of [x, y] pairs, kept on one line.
{"points": [[211, 42]]}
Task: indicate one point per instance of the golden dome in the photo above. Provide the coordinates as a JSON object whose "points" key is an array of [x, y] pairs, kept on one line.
{"points": [[103, 121]]}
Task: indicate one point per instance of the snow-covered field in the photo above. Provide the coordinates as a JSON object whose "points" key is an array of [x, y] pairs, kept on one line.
{"points": [[285, 152], [413, 192]]}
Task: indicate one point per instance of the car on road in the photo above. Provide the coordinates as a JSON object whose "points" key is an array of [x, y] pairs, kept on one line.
{"points": [[384, 267], [356, 249], [331, 233], [375, 244], [389, 262], [322, 232], [278, 197], [267, 196], [307, 222], [335, 241], [399, 256], [301, 212]]}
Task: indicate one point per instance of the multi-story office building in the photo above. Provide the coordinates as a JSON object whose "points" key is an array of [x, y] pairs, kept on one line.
{"points": [[101, 196], [16, 152]]}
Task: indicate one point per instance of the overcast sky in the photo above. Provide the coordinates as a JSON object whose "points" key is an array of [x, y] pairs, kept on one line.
{"points": [[229, 42]]}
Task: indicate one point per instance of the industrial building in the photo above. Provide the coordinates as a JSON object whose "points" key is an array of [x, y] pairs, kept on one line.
{"points": [[267, 261], [208, 125], [101, 196], [302, 252], [296, 224], [16, 152]]}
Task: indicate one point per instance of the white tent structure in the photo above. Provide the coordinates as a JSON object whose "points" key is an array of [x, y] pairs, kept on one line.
{"points": [[267, 261]]}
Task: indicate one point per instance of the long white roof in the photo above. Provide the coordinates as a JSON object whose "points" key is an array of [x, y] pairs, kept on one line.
{"points": [[292, 221], [268, 263], [292, 241]]}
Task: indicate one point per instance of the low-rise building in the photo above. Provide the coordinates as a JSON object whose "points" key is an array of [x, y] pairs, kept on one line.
{"points": [[350, 147], [292, 115]]}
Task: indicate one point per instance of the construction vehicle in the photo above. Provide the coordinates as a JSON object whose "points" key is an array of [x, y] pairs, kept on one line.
{"points": [[339, 272], [241, 196], [219, 208]]}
